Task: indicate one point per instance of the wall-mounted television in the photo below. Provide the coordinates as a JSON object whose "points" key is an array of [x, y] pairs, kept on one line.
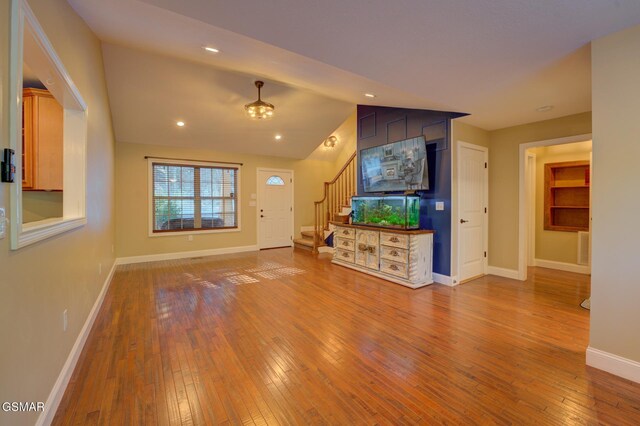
{"points": [[397, 166]]}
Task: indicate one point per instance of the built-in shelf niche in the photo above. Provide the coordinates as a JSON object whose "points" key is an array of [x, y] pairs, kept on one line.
{"points": [[567, 193]]}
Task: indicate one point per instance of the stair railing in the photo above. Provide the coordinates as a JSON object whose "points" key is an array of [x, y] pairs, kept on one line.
{"points": [[337, 193]]}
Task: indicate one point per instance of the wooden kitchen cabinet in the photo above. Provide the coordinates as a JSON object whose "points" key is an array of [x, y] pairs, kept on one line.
{"points": [[42, 143]]}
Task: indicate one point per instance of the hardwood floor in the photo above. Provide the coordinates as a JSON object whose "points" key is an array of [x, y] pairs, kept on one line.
{"points": [[280, 337]]}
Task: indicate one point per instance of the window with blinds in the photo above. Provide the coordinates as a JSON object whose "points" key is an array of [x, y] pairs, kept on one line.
{"points": [[192, 197]]}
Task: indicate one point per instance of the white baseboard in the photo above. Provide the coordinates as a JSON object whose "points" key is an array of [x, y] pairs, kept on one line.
{"points": [[325, 249], [562, 266], [57, 392], [183, 254], [614, 364], [503, 272], [445, 280]]}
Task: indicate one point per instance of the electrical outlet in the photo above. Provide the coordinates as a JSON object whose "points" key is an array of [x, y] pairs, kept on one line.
{"points": [[439, 205], [3, 223], [65, 320], [190, 238]]}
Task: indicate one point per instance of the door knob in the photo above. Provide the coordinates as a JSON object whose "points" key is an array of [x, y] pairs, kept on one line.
{"points": [[463, 221]]}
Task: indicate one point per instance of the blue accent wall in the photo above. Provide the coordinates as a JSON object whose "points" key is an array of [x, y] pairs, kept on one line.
{"points": [[381, 125]]}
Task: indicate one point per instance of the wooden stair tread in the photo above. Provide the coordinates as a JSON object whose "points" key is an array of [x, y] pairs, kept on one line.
{"points": [[307, 242]]}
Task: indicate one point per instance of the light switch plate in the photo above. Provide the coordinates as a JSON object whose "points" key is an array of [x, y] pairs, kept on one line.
{"points": [[439, 205]]}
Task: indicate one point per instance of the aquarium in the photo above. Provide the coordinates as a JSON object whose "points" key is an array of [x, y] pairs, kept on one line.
{"points": [[391, 211]]}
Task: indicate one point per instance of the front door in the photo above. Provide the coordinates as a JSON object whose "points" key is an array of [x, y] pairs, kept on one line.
{"points": [[472, 202], [275, 208]]}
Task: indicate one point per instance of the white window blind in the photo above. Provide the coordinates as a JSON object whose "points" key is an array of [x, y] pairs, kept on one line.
{"points": [[194, 197]]}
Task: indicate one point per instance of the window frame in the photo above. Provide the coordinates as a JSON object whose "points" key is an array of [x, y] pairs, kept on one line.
{"points": [[190, 163]]}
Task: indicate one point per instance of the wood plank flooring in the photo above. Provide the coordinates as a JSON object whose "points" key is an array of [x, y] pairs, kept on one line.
{"points": [[284, 337]]}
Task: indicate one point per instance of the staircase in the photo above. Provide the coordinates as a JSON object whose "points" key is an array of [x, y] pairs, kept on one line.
{"points": [[334, 205]]}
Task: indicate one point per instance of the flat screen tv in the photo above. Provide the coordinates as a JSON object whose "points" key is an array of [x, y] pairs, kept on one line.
{"points": [[397, 166]]}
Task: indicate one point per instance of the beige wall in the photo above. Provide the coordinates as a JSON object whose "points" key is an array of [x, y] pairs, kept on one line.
{"points": [[132, 198], [556, 245], [40, 281], [38, 205], [503, 179], [460, 132], [615, 286]]}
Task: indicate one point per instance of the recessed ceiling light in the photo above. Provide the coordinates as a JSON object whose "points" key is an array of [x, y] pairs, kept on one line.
{"points": [[211, 49], [544, 108], [180, 124], [278, 137], [370, 95]]}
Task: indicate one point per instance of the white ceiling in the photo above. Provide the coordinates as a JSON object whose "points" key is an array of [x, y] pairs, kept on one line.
{"points": [[498, 60], [149, 93]]}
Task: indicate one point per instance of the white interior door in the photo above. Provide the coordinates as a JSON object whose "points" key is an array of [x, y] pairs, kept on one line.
{"points": [[472, 202], [275, 208]]}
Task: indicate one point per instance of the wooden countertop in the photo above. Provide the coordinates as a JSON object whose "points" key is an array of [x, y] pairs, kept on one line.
{"points": [[380, 228]]}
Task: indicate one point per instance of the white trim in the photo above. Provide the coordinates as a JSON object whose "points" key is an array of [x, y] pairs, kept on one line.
{"points": [[57, 392], [38, 231], [325, 249], [531, 165], [614, 364], [293, 210], [485, 217], [562, 266], [183, 254], [151, 161], [522, 199], [503, 272], [74, 133], [445, 280]]}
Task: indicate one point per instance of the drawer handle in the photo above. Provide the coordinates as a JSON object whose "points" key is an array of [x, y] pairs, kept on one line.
{"points": [[393, 267], [344, 254], [394, 239], [344, 243], [371, 249], [345, 232], [394, 253], [362, 247]]}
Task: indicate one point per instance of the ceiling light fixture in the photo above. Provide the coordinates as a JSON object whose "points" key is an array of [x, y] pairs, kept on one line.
{"points": [[180, 124], [278, 137], [330, 142], [259, 109], [370, 95], [211, 49]]}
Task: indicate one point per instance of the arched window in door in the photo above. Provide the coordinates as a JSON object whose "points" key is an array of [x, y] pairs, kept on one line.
{"points": [[275, 180]]}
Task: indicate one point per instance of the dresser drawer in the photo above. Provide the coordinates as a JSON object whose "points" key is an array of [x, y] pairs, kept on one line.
{"points": [[394, 268], [345, 244], [344, 255], [395, 254], [394, 240], [347, 233]]}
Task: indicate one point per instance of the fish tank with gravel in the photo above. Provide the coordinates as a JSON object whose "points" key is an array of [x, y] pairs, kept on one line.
{"points": [[388, 211]]}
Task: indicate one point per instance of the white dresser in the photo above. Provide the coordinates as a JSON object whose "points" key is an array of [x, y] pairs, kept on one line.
{"points": [[403, 257]]}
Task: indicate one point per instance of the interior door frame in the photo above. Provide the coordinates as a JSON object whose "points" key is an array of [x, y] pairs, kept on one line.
{"points": [[531, 188], [258, 183], [522, 196], [485, 217]]}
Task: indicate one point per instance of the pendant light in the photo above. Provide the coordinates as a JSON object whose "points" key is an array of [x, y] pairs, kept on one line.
{"points": [[259, 110]]}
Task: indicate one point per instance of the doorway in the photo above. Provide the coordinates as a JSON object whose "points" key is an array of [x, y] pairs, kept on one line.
{"points": [[539, 244], [473, 198], [275, 208]]}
